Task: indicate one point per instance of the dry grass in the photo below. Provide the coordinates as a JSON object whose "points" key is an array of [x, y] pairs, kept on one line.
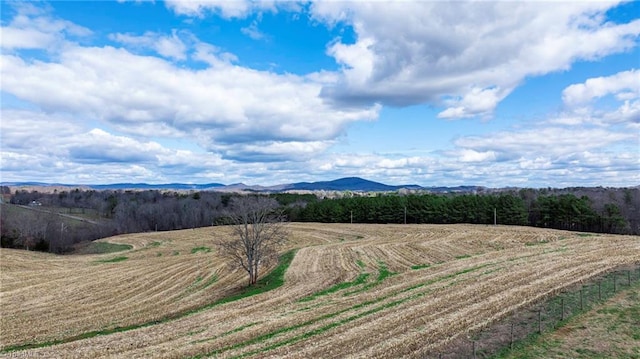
{"points": [[609, 330], [475, 275]]}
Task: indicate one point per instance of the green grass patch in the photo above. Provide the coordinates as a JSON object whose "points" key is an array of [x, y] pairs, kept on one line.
{"points": [[383, 273], [154, 244], [113, 260], [212, 279], [329, 326], [198, 284], [362, 278], [420, 266], [200, 249], [360, 264], [271, 281], [463, 256], [175, 253]]}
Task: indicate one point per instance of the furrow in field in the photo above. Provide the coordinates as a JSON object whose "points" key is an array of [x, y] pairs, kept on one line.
{"points": [[276, 323], [387, 325]]}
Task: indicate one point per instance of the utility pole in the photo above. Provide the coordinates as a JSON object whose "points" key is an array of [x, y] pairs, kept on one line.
{"points": [[405, 214], [495, 217]]}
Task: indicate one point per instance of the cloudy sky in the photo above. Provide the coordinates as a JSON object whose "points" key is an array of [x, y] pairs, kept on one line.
{"points": [[528, 94]]}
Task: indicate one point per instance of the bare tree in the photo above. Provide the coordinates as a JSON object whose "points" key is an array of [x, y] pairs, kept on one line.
{"points": [[258, 232]]}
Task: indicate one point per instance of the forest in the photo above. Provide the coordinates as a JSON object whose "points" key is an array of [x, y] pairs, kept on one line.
{"points": [[565, 211], [57, 221]]}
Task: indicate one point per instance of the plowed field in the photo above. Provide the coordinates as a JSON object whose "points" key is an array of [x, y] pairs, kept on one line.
{"points": [[367, 291]]}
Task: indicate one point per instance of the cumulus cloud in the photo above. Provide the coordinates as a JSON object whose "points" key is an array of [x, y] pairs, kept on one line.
{"points": [[103, 112], [624, 85], [228, 108], [464, 56], [34, 28], [58, 148]]}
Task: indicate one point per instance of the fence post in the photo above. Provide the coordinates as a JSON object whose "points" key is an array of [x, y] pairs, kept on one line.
{"points": [[539, 320], [600, 290], [511, 340]]}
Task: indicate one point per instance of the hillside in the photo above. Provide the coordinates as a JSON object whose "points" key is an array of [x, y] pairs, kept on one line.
{"points": [[351, 290]]}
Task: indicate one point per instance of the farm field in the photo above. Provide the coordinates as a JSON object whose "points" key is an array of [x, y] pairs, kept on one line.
{"points": [[361, 290]]}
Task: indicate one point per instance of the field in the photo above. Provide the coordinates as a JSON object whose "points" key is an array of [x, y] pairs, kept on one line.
{"points": [[369, 291], [610, 330]]}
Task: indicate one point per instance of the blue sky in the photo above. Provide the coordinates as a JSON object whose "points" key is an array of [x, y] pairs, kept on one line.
{"points": [[527, 94]]}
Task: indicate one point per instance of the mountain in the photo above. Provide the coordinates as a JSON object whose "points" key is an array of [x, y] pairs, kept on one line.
{"points": [[169, 186], [120, 186], [347, 184], [355, 184]]}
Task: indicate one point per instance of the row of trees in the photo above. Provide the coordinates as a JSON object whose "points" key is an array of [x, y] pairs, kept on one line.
{"points": [[564, 211], [417, 209], [117, 212]]}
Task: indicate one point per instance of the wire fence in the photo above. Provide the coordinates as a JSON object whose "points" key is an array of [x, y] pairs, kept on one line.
{"points": [[539, 318]]}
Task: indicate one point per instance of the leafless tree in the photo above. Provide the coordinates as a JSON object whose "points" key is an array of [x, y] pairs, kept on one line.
{"points": [[258, 232]]}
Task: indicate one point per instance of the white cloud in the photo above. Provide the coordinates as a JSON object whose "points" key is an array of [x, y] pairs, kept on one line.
{"points": [[34, 28], [475, 101], [625, 85], [104, 112], [467, 155], [253, 32], [224, 8], [167, 46], [225, 107], [430, 52], [58, 148], [581, 99], [554, 141]]}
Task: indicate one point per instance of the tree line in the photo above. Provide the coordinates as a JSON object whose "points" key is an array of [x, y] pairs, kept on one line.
{"points": [[119, 212], [559, 211]]}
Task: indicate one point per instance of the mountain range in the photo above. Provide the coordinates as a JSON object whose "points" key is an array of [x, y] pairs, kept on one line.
{"points": [[355, 184]]}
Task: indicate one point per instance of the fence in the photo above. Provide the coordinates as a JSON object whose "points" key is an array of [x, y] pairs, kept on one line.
{"points": [[539, 318]]}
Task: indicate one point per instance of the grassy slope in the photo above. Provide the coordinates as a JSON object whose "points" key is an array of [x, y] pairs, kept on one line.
{"points": [[609, 330]]}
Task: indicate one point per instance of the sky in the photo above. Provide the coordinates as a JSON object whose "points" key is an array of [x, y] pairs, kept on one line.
{"points": [[489, 93]]}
